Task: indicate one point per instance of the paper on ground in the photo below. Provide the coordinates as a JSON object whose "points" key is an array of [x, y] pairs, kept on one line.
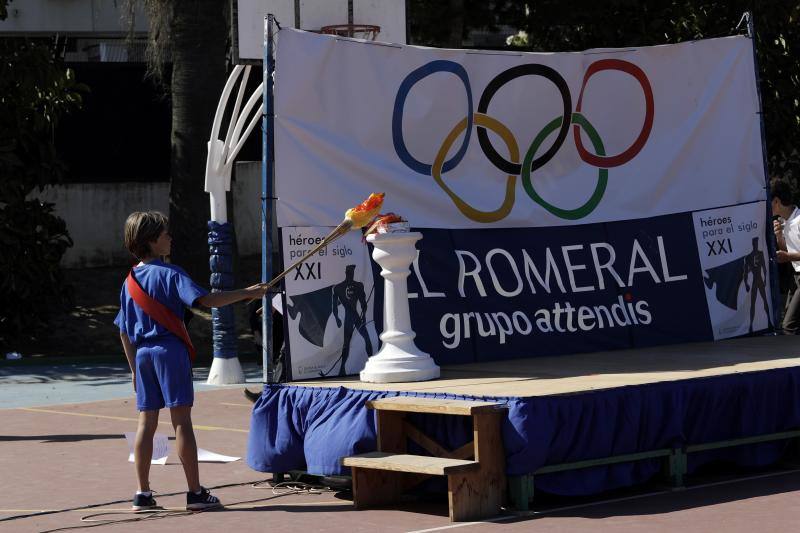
{"points": [[205, 456], [161, 451], [160, 447]]}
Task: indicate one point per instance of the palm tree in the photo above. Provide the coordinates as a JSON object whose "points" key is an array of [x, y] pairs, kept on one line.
{"points": [[193, 35]]}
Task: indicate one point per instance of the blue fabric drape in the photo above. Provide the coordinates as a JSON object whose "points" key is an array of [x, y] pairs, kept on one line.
{"points": [[311, 428], [220, 261]]}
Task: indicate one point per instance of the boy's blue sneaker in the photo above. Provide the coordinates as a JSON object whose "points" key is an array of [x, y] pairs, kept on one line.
{"points": [[143, 502], [202, 501]]}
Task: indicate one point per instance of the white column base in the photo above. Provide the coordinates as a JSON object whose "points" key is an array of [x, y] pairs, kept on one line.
{"points": [[399, 360], [398, 369], [225, 372]]}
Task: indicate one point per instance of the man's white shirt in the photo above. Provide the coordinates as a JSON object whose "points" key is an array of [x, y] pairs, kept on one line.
{"points": [[791, 234]]}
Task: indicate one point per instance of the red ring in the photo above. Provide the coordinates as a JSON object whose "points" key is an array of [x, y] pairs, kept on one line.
{"points": [[630, 153]]}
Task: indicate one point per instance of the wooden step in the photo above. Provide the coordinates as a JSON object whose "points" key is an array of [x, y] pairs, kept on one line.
{"points": [[433, 405], [416, 464]]}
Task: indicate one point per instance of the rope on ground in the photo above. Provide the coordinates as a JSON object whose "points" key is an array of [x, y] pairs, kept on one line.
{"points": [[101, 504], [94, 520], [292, 487], [278, 489]]}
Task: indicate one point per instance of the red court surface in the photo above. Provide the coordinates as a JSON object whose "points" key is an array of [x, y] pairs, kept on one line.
{"points": [[61, 463]]}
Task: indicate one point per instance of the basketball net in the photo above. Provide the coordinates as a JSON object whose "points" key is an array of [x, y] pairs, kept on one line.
{"points": [[367, 32]]}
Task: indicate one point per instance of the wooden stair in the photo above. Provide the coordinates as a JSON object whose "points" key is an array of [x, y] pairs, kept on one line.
{"points": [[475, 472], [415, 464]]}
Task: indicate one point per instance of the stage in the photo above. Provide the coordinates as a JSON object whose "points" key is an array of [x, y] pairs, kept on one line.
{"points": [[657, 403]]}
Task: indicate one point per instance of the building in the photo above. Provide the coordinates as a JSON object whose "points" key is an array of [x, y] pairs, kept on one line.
{"points": [[117, 148]]}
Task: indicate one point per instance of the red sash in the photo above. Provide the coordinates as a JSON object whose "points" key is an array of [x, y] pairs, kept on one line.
{"points": [[160, 313]]}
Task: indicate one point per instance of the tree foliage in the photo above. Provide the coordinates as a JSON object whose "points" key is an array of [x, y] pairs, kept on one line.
{"points": [[558, 25], [447, 23], [35, 91]]}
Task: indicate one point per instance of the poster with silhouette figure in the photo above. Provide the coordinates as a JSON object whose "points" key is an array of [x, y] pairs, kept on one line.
{"points": [[733, 256], [329, 304]]}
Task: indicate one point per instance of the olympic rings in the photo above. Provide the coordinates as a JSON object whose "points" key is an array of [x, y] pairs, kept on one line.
{"points": [[482, 121], [602, 173], [530, 163], [505, 77], [400, 101], [630, 152]]}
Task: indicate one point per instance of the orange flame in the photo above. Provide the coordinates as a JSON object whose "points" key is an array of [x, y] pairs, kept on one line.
{"points": [[363, 213]]}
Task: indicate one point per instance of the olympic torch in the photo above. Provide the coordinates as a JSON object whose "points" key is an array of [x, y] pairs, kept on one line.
{"points": [[354, 218]]}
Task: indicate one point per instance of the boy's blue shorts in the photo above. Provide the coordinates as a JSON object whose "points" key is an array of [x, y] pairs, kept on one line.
{"points": [[163, 374]]}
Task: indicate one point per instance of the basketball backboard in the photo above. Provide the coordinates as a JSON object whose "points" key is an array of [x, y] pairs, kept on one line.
{"points": [[248, 20]]}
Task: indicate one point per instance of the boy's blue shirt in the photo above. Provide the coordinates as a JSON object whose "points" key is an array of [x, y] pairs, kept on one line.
{"points": [[170, 285]]}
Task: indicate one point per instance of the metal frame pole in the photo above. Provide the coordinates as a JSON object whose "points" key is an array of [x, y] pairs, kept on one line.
{"points": [[267, 197], [769, 237]]}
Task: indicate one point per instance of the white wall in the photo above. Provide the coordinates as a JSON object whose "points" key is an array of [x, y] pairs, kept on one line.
{"points": [[95, 214], [69, 16]]}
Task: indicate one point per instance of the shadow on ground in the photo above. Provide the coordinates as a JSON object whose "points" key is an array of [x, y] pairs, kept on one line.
{"points": [[654, 499], [57, 438], [94, 375]]}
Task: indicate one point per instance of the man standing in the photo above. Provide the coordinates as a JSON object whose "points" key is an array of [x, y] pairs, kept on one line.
{"points": [[787, 234], [350, 293]]}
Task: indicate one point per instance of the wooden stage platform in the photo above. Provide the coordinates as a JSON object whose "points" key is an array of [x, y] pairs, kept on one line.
{"points": [[579, 424], [565, 374]]}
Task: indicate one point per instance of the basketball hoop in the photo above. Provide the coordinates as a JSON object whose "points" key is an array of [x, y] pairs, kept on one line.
{"points": [[367, 32]]}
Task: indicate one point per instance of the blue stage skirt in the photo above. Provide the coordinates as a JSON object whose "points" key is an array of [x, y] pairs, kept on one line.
{"points": [[312, 428]]}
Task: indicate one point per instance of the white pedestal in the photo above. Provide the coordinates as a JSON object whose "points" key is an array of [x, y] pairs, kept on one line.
{"points": [[225, 372], [399, 359]]}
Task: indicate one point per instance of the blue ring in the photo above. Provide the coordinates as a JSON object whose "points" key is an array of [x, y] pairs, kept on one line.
{"points": [[399, 104]]}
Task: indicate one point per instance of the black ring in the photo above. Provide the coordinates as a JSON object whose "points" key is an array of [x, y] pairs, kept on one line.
{"points": [[483, 106]]}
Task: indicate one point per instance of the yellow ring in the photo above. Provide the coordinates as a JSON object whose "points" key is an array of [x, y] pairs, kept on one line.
{"points": [[513, 152]]}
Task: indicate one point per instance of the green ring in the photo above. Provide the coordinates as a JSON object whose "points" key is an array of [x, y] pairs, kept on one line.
{"points": [[602, 173]]}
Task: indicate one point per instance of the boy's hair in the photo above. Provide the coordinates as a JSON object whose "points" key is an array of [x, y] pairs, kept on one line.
{"points": [[781, 190], [142, 228]]}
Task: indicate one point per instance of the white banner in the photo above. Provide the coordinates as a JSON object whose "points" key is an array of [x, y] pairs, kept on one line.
{"points": [[329, 304], [472, 139], [733, 255], [568, 202]]}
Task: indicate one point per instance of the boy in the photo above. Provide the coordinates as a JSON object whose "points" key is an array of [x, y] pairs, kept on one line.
{"points": [[158, 349]]}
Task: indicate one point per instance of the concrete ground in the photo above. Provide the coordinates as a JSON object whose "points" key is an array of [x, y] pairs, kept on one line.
{"points": [[32, 385], [63, 457]]}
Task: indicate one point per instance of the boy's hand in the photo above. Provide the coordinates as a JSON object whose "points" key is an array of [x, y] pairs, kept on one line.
{"points": [[256, 291], [223, 298]]}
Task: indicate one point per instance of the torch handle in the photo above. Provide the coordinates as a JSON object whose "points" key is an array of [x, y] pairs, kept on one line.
{"points": [[337, 232]]}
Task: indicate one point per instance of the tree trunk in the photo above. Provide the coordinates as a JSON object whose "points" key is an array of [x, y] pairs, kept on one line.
{"points": [[199, 38]]}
